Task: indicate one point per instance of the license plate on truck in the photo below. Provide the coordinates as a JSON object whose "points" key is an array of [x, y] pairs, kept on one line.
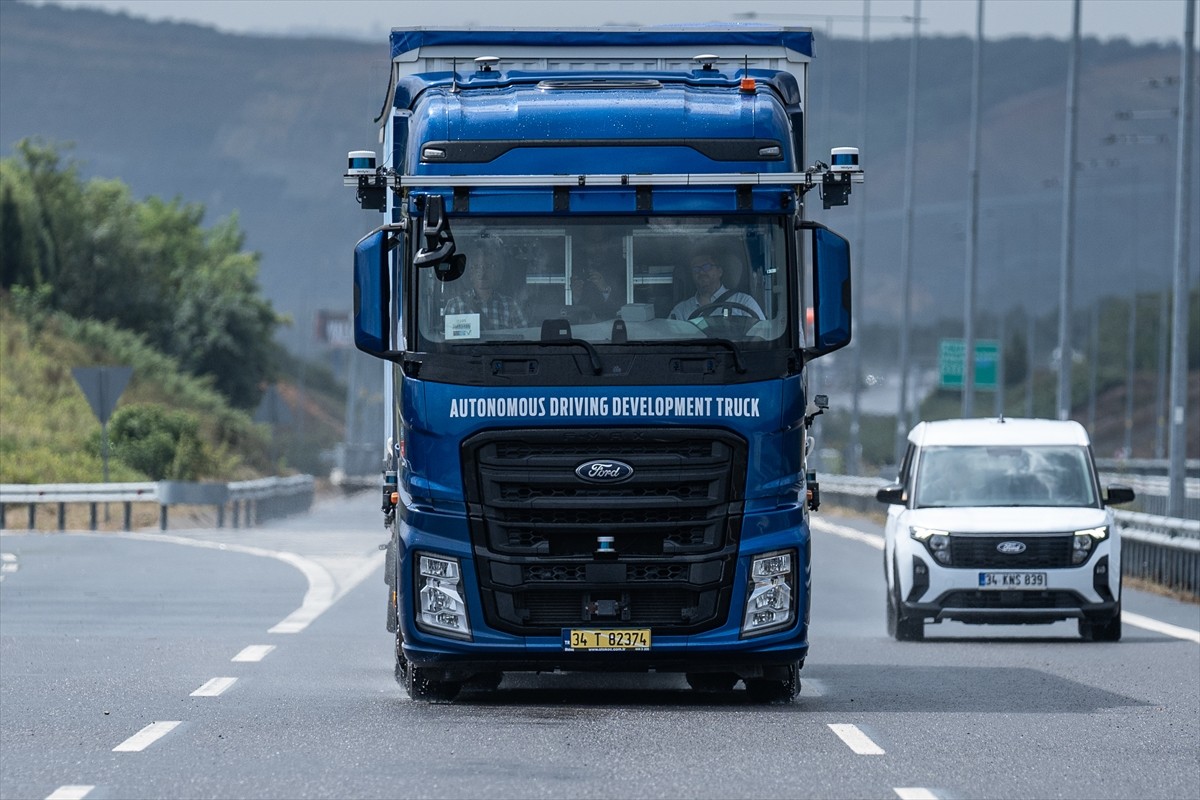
{"points": [[610, 640], [1012, 580]]}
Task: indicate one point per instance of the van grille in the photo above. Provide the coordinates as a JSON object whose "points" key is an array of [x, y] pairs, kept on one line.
{"points": [[1046, 551]]}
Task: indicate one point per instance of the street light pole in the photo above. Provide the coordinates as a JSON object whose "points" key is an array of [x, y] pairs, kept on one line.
{"points": [[910, 162], [1177, 447], [968, 396], [1068, 225], [854, 460]]}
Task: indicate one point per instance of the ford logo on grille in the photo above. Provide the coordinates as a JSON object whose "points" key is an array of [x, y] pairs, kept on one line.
{"points": [[1011, 548], [604, 471]]}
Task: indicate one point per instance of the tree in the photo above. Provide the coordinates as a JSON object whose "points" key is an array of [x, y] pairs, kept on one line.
{"points": [[149, 267]]}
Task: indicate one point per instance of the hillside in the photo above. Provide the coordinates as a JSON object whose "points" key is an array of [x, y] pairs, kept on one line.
{"points": [[260, 126], [49, 434]]}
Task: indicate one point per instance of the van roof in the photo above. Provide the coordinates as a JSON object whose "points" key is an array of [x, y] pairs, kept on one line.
{"points": [[999, 431]]}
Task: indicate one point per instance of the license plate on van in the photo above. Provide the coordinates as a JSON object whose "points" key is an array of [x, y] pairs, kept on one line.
{"points": [[1012, 580]]}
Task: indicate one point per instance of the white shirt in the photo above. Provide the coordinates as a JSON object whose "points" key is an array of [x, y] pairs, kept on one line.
{"points": [[687, 305]]}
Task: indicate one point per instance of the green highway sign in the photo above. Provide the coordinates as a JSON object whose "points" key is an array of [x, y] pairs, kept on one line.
{"points": [[953, 368]]}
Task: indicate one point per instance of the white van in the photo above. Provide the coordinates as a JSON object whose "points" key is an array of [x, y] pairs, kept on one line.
{"points": [[1002, 521]]}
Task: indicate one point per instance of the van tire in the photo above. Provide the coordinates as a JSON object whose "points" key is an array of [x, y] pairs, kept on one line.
{"points": [[1107, 631]]}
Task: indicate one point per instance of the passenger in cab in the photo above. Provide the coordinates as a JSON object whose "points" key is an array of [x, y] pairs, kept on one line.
{"points": [[495, 310]]}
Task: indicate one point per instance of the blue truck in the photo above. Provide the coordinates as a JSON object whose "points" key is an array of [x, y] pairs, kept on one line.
{"points": [[596, 291]]}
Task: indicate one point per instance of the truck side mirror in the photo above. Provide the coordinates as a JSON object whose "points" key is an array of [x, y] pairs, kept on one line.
{"points": [[831, 290], [373, 291]]}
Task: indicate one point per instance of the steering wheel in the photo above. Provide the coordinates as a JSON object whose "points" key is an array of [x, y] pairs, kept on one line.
{"points": [[741, 323], [702, 311]]}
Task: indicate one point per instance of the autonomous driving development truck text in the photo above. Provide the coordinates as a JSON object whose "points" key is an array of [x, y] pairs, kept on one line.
{"points": [[598, 291]]}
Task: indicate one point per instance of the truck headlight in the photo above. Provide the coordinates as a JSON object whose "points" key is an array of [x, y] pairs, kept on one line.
{"points": [[1084, 541], [770, 601], [440, 604]]}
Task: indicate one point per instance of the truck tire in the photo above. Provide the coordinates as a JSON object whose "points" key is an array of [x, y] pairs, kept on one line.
{"points": [[775, 690], [1107, 631], [416, 681], [421, 688], [711, 681]]}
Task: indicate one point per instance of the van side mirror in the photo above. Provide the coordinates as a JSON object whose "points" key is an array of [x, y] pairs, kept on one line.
{"points": [[1117, 494], [892, 494]]}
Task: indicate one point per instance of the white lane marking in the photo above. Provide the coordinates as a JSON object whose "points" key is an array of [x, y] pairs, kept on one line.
{"points": [[1166, 628], [146, 737], [914, 793], [255, 652], [811, 687], [846, 532], [323, 593], [856, 740], [70, 792], [214, 687], [322, 588], [8, 564]]}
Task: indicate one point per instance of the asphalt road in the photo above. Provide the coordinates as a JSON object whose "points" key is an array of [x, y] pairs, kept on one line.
{"points": [[255, 664]]}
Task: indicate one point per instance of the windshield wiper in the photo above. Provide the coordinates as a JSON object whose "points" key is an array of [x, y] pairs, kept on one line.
{"points": [[593, 355]]}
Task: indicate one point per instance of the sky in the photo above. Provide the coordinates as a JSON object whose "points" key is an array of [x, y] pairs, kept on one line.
{"points": [[1137, 20]]}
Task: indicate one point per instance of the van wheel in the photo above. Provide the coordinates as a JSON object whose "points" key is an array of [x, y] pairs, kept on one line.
{"points": [[901, 628], [775, 690], [1107, 631]]}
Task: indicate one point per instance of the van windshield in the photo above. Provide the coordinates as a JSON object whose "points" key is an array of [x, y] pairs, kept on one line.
{"points": [[665, 278], [961, 475]]}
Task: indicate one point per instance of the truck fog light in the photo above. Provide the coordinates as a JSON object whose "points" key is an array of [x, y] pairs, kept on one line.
{"points": [[440, 604], [771, 592]]}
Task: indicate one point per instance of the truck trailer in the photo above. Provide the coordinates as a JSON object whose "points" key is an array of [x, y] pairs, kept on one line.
{"points": [[596, 290]]}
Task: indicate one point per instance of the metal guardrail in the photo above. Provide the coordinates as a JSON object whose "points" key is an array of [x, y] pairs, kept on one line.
{"points": [[1162, 550], [249, 502]]}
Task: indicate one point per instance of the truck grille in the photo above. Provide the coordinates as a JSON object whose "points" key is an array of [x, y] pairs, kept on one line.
{"points": [[535, 525], [1047, 551]]}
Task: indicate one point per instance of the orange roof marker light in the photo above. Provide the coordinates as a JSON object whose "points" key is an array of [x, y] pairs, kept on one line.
{"points": [[747, 81]]}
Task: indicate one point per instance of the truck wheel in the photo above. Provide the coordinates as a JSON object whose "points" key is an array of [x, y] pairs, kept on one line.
{"points": [[773, 690], [1107, 631], [711, 681], [421, 688]]}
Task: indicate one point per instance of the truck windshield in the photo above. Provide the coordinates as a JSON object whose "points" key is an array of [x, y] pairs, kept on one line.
{"points": [[961, 475], [612, 280]]}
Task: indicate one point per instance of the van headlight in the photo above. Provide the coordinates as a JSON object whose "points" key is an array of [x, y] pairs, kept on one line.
{"points": [[1084, 541], [936, 540], [441, 608], [770, 601]]}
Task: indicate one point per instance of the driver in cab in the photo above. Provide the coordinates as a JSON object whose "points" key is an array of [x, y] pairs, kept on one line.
{"points": [[712, 297]]}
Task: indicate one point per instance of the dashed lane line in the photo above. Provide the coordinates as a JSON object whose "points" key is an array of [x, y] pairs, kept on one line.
{"points": [[8, 564], [856, 740], [70, 792], [146, 737], [214, 687], [914, 793], [253, 653]]}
